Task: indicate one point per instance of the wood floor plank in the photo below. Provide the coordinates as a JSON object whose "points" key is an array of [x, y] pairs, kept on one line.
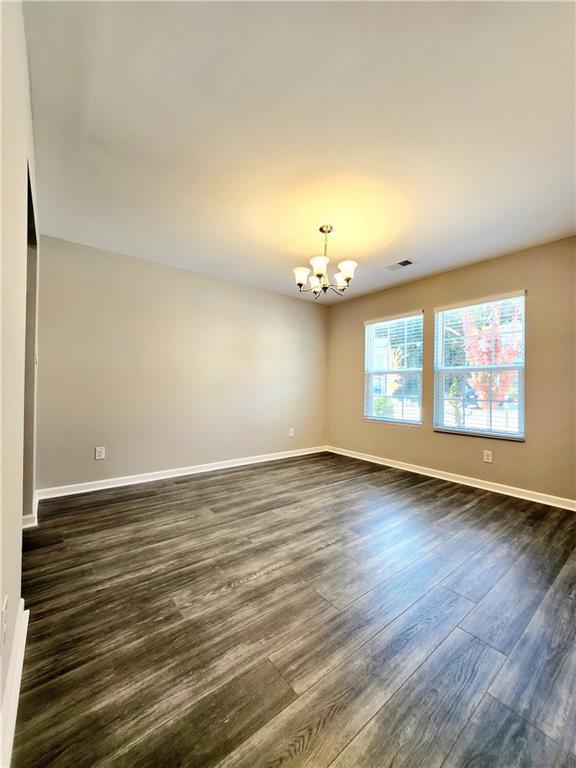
{"points": [[152, 677], [54, 651], [202, 735], [475, 578], [309, 657], [539, 679], [301, 571], [374, 545], [314, 729], [253, 557], [414, 541], [498, 738], [419, 725], [502, 615]]}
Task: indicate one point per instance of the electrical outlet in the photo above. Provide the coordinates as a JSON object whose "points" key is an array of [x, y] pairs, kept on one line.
{"points": [[4, 621], [100, 453], [487, 457], [291, 432]]}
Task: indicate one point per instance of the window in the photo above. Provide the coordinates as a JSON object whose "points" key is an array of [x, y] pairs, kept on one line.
{"points": [[479, 368], [393, 369]]}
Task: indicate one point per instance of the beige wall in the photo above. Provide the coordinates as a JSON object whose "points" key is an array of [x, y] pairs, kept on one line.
{"points": [[17, 149], [167, 368], [546, 461]]}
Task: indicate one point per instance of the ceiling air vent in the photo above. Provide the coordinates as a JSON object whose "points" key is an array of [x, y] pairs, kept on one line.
{"points": [[400, 265]]}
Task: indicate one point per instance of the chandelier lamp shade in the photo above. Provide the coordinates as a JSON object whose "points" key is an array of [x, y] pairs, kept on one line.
{"points": [[317, 280]]}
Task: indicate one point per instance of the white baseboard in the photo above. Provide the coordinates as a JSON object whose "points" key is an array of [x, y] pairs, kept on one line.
{"points": [[31, 520], [12, 690], [474, 482], [149, 477]]}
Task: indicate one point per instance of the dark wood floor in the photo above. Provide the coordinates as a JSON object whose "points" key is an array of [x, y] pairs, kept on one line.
{"points": [[309, 612]]}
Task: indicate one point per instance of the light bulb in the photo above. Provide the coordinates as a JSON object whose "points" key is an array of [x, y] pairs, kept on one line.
{"points": [[319, 264], [315, 282], [347, 268], [340, 281], [301, 275]]}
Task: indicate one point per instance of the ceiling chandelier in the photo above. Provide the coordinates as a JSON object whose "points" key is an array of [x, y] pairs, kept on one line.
{"points": [[319, 282]]}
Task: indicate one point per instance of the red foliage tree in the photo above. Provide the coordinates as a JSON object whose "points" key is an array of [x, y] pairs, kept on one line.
{"points": [[492, 343]]}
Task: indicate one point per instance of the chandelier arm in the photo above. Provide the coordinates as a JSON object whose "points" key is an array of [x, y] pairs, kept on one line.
{"points": [[309, 290], [331, 286]]}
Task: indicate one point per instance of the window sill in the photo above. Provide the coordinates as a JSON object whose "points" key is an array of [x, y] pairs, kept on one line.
{"points": [[486, 435], [393, 421]]}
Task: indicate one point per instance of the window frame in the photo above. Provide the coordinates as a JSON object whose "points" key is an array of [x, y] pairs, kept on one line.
{"points": [[418, 371], [440, 371]]}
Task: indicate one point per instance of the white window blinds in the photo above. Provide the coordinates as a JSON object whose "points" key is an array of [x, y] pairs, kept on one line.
{"points": [[479, 368], [393, 369]]}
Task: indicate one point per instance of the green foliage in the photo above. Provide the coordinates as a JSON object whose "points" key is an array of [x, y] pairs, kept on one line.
{"points": [[383, 406], [456, 402]]}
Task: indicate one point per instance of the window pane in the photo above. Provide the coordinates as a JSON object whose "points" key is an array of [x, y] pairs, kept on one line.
{"points": [[453, 340], [414, 354], [394, 344], [412, 411], [486, 343], [509, 348], [394, 396], [393, 370], [505, 401]]}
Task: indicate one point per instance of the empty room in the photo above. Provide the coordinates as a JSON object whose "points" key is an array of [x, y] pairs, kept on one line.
{"points": [[288, 384]]}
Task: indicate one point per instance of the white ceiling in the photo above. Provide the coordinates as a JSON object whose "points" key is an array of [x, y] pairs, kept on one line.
{"points": [[219, 136]]}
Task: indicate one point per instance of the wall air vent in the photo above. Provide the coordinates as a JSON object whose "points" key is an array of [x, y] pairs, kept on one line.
{"points": [[400, 265]]}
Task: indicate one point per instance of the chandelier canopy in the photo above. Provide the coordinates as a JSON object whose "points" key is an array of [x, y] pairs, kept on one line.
{"points": [[318, 281]]}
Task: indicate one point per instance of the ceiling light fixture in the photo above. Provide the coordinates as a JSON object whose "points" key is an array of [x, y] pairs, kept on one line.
{"points": [[318, 281]]}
